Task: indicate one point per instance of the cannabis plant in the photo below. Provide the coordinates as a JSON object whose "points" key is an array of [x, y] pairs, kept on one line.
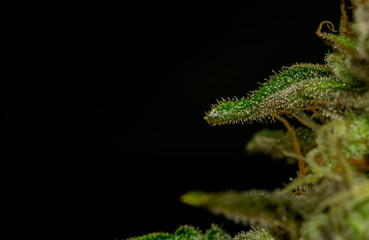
{"points": [[329, 197]]}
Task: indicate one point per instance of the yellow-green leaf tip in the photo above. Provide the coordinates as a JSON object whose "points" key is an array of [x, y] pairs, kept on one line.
{"points": [[195, 198]]}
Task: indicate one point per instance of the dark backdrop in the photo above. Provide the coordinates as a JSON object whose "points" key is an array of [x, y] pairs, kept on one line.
{"points": [[103, 109]]}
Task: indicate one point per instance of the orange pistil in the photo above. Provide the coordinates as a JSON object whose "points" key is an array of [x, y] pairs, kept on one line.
{"points": [[329, 25], [294, 115], [361, 164], [302, 169], [347, 31], [319, 160], [314, 108]]}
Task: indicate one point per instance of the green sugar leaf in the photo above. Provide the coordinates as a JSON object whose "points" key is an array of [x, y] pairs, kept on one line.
{"points": [[215, 233], [187, 233], [248, 109], [255, 234], [343, 42], [269, 142], [295, 88], [155, 236], [268, 209], [275, 142]]}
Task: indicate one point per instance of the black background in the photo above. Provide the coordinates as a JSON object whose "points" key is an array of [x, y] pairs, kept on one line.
{"points": [[103, 109]]}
